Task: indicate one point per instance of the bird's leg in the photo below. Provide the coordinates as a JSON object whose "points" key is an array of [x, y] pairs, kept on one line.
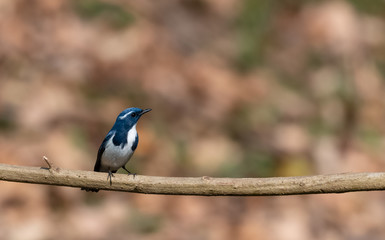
{"points": [[124, 167], [129, 173], [110, 175]]}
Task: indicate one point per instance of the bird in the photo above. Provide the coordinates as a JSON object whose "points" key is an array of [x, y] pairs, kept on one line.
{"points": [[119, 144]]}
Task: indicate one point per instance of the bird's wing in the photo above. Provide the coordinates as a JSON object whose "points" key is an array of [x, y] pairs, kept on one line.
{"points": [[101, 151], [135, 144]]}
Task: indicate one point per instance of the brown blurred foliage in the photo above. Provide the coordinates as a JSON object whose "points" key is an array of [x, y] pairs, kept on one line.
{"points": [[238, 89]]}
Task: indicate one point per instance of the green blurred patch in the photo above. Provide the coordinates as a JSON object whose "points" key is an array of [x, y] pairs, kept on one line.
{"points": [[252, 25], [319, 128], [145, 223], [182, 161], [114, 15], [371, 7], [259, 164], [255, 164], [92, 199], [370, 136], [294, 166], [7, 121], [248, 118], [380, 64], [79, 137], [182, 156], [108, 88]]}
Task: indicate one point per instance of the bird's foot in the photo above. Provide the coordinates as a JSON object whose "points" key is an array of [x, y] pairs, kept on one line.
{"points": [[129, 173], [110, 175]]}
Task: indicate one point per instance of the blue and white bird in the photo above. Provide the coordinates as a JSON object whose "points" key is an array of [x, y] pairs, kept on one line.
{"points": [[119, 144]]}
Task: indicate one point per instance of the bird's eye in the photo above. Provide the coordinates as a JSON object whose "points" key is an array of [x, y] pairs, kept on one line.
{"points": [[133, 114]]}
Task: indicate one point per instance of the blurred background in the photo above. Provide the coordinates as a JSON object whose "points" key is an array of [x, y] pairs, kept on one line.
{"points": [[238, 89]]}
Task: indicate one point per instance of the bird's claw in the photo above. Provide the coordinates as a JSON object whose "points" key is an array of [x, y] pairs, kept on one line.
{"points": [[110, 175]]}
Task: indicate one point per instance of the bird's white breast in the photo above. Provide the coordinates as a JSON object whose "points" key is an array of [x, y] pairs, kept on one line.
{"points": [[115, 157]]}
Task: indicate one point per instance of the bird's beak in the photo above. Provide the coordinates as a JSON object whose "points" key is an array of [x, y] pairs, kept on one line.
{"points": [[145, 111]]}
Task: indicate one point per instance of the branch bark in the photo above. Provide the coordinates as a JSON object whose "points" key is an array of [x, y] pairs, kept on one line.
{"points": [[203, 186]]}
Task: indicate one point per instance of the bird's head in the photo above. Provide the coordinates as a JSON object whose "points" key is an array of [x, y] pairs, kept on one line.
{"points": [[130, 116]]}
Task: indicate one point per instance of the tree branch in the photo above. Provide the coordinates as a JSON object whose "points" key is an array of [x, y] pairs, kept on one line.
{"points": [[203, 186]]}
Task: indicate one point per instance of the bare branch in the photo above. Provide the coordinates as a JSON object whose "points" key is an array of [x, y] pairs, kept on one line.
{"points": [[203, 186]]}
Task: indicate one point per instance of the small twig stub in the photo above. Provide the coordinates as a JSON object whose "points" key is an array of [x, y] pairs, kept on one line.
{"points": [[51, 166]]}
